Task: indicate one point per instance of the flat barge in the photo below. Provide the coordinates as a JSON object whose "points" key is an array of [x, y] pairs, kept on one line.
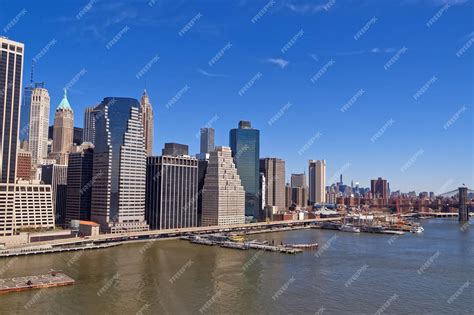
{"points": [[50, 280]]}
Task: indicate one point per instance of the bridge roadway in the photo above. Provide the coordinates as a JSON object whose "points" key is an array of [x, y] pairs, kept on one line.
{"points": [[161, 234]]}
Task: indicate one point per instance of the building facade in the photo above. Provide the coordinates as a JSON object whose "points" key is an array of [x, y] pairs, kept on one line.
{"points": [[11, 76], [207, 140], [56, 176], [203, 161], [245, 144], [171, 192], [39, 124], [24, 166], [175, 149], [223, 194], [118, 194], [298, 180], [79, 184], [146, 111], [89, 124], [379, 189], [317, 181], [274, 172], [63, 130]]}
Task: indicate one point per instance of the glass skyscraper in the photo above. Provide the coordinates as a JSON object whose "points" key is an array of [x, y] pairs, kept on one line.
{"points": [[245, 144], [119, 167], [25, 113]]}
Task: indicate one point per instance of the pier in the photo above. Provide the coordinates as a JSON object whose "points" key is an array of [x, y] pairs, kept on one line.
{"points": [[17, 284]]}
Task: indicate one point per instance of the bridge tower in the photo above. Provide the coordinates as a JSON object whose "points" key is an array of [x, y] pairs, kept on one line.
{"points": [[463, 207]]}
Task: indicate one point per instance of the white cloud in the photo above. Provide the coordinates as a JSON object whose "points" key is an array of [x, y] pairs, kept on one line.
{"points": [[208, 74], [278, 61], [374, 50]]}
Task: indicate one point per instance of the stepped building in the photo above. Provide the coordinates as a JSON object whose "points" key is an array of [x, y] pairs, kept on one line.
{"points": [[63, 131], [146, 112]]}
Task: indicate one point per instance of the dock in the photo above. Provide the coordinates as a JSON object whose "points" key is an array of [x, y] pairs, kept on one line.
{"points": [[50, 280]]}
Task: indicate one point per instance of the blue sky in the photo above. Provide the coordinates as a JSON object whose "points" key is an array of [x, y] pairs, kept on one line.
{"points": [[377, 88]]}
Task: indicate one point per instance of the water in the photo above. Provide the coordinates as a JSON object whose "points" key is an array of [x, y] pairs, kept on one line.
{"points": [[430, 273]]}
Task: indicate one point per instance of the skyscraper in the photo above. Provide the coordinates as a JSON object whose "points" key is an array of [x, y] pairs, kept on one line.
{"points": [[63, 130], [298, 180], [317, 181], [379, 188], [39, 123], [89, 124], [25, 113], [203, 161], [175, 149], [299, 190], [245, 145], [146, 111], [11, 75], [207, 140], [171, 192], [223, 195], [118, 194], [79, 184], [56, 176], [274, 171], [463, 206]]}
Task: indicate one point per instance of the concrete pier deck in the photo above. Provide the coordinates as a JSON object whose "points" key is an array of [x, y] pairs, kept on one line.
{"points": [[36, 282]]}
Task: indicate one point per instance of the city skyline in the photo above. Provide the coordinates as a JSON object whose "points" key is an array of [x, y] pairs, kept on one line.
{"points": [[385, 137]]}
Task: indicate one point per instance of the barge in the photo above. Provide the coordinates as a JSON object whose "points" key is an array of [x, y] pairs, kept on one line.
{"points": [[50, 280]]}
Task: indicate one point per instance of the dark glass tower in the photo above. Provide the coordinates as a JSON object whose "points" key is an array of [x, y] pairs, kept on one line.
{"points": [[11, 72], [245, 144], [25, 113]]}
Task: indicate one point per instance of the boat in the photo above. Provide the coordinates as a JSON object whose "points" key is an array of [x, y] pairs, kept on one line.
{"points": [[417, 229], [302, 246], [330, 226], [349, 228]]}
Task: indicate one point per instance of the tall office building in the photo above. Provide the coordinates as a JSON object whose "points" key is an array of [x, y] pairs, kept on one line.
{"points": [[378, 188], [63, 131], [24, 166], [299, 190], [274, 172], [89, 124], [146, 112], [78, 136], [25, 113], [317, 181], [223, 195], [79, 184], [175, 149], [463, 206], [207, 140], [11, 75], [171, 192], [203, 161], [39, 123], [118, 194], [298, 180], [56, 176], [245, 145]]}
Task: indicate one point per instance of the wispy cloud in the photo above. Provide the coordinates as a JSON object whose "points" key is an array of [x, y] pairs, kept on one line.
{"points": [[278, 61], [374, 50], [306, 8], [212, 75]]}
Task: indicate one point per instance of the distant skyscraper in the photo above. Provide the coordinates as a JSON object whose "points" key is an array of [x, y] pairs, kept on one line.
{"points": [[298, 180], [274, 171], [379, 188], [118, 193], [207, 140], [317, 181], [203, 161], [25, 113], [79, 184], [56, 176], [175, 149], [63, 130], [11, 75], [39, 123], [89, 124], [223, 195], [146, 111], [463, 206], [78, 137], [245, 145], [171, 192]]}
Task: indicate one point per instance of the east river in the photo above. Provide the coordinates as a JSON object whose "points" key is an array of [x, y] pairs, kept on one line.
{"points": [[428, 273]]}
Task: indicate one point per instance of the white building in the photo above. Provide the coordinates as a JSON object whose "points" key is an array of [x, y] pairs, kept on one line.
{"points": [[39, 124], [223, 194], [317, 181]]}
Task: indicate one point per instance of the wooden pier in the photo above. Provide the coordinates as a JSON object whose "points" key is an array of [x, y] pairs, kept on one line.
{"points": [[50, 280]]}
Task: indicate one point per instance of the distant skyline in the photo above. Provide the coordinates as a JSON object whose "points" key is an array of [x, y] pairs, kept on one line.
{"points": [[375, 90]]}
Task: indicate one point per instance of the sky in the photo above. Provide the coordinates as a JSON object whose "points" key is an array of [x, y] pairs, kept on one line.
{"points": [[375, 88]]}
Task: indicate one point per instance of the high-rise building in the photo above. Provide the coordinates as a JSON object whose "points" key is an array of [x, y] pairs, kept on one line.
{"points": [[175, 149], [171, 192], [203, 160], [463, 206], [39, 123], [146, 111], [118, 194], [11, 76], [245, 144], [78, 136], [288, 196], [56, 176], [379, 188], [317, 181], [89, 124], [223, 195], [299, 196], [25, 113], [298, 180], [63, 131], [79, 184], [274, 171], [207, 140], [24, 166]]}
